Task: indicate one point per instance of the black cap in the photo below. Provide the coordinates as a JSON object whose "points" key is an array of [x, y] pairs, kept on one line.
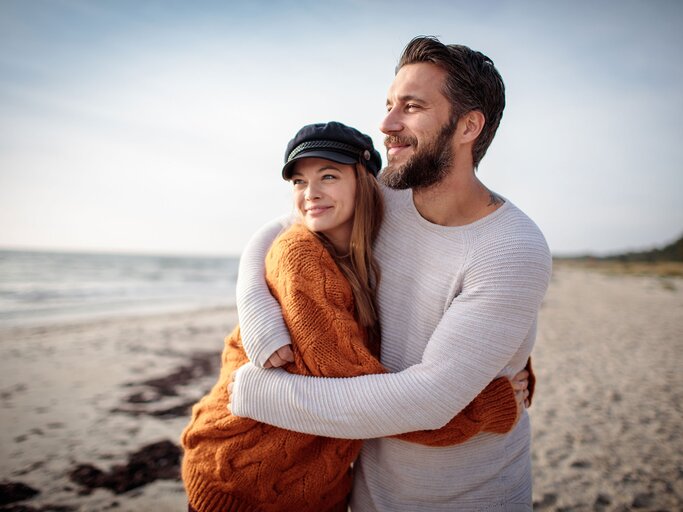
{"points": [[332, 141]]}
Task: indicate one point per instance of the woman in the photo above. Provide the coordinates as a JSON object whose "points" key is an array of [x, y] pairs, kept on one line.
{"points": [[322, 272]]}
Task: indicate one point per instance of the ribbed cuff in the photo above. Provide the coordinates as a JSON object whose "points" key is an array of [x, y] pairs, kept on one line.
{"points": [[249, 382], [237, 406], [496, 407], [262, 355]]}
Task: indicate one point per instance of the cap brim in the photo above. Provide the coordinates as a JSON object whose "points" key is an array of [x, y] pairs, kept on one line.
{"points": [[327, 155]]}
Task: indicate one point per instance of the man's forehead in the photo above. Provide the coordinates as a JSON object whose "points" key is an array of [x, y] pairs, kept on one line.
{"points": [[417, 81]]}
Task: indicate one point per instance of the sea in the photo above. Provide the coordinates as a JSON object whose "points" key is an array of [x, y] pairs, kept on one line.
{"points": [[48, 287]]}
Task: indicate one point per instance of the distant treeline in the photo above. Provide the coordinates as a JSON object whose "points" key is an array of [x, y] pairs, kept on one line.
{"points": [[672, 252]]}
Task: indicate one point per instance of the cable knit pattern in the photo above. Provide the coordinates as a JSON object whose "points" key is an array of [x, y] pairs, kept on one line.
{"points": [[238, 464], [458, 307]]}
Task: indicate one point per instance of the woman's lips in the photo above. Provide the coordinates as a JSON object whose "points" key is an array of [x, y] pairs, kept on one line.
{"points": [[317, 210]]}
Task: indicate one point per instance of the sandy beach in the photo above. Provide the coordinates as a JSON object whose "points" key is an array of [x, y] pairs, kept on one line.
{"points": [[80, 400]]}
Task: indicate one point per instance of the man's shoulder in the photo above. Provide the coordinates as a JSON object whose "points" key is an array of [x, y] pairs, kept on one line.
{"points": [[511, 233], [512, 217]]}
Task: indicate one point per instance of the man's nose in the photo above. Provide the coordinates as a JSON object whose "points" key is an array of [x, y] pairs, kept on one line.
{"points": [[392, 122]]}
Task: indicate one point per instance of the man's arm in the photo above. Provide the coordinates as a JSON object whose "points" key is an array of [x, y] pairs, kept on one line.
{"points": [[262, 328], [478, 335], [317, 307]]}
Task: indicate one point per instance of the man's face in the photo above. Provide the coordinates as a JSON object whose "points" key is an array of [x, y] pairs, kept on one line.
{"points": [[418, 128]]}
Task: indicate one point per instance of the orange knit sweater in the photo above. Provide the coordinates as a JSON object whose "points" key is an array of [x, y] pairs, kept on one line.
{"points": [[238, 464]]}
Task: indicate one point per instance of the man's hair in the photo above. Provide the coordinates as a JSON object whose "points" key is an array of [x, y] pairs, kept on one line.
{"points": [[472, 83]]}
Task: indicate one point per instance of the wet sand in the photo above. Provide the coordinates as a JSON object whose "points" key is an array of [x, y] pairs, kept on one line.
{"points": [[91, 412]]}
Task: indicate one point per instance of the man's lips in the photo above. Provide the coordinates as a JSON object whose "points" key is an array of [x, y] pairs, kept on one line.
{"points": [[394, 149], [396, 145]]}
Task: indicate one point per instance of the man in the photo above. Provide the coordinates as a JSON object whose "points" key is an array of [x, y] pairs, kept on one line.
{"points": [[463, 274]]}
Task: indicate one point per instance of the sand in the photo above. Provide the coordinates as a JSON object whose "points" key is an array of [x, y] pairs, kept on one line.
{"points": [[80, 394], [606, 418]]}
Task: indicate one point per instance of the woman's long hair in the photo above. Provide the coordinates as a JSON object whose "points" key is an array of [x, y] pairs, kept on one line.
{"points": [[359, 266]]}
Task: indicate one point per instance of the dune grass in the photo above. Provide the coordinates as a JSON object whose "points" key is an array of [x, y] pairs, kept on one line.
{"points": [[668, 269]]}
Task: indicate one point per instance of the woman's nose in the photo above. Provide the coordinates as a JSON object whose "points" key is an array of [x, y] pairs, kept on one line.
{"points": [[312, 192]]}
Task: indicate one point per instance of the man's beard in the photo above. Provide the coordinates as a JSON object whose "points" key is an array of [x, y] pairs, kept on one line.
{"points": [[426, 167]]}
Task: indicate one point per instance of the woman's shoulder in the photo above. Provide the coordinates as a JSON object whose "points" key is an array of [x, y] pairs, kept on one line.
{"points": [[299, 249], [298, 238]]}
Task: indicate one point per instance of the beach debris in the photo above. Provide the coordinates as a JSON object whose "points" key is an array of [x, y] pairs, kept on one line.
{"points": [[45, 508], [199, 365], [156, 461], [548, 500], [11, 492], [602, 500], [161, 398], [643, 500]]}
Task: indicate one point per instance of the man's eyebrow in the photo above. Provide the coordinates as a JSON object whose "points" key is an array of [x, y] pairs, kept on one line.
{"points": [[407, 97]]}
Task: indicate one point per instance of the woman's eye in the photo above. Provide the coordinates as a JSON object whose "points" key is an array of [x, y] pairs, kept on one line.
{"points": [[329, 177], [297, 181]]}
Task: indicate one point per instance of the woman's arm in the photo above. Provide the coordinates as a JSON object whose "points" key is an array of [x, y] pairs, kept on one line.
{"points": [[317, 305], [262, 328]]}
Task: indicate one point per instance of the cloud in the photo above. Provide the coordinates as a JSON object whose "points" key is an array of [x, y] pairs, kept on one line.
{"points": [[126, 120]]}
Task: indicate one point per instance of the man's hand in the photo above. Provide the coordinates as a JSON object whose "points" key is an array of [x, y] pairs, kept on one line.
{"points": [[231, 380], [520, 384], [280, 357]]}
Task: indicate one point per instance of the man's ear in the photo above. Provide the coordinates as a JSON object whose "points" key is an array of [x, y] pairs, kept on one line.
{"points": [[471, 125]]}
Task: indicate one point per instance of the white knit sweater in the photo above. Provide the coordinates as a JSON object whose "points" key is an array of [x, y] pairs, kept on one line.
{"points": [[458, 308]]}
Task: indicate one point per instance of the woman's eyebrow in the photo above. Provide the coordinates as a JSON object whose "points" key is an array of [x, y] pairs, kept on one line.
{"points": [[326, 167]]}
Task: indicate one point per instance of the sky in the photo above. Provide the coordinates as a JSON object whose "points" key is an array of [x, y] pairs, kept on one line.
{"points": [[160, 126]]}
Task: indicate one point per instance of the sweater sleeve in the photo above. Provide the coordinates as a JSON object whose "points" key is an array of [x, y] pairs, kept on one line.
{"points": [[318, 308], [493, 410], [476, 337], [262, 327]]}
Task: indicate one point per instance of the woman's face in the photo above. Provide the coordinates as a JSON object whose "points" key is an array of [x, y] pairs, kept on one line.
{"points": [[324, 196]]}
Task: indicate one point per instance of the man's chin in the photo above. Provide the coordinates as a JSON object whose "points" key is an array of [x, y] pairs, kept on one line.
{"points": [[392, 177]]}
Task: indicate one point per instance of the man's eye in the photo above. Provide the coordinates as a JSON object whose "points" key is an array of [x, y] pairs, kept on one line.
{"points": [[412, 106]]}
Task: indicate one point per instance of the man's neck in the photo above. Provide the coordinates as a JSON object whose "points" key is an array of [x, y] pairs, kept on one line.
{"points": [[457, 200]]}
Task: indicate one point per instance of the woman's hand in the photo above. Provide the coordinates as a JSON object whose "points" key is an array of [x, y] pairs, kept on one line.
{"points": [[280, 357]]}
